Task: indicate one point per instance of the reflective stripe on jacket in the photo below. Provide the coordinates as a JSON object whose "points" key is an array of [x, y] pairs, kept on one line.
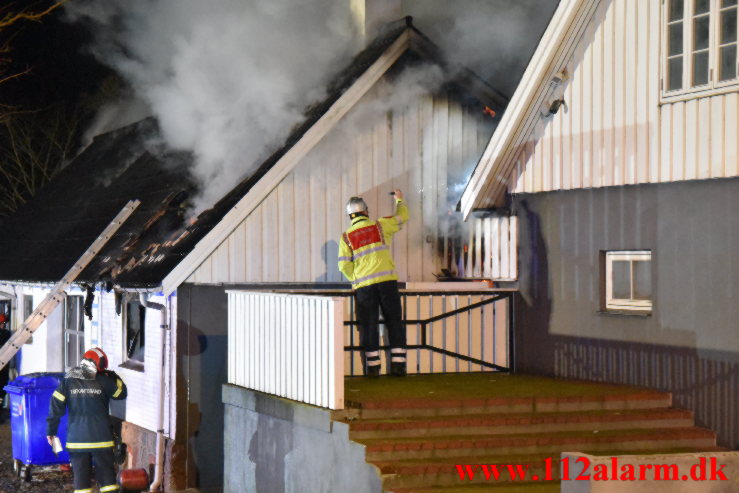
{"points": [[88, 426], [364, 248]]}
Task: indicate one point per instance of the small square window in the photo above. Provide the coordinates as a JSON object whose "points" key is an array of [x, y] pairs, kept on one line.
{"points": [[627, 283]]}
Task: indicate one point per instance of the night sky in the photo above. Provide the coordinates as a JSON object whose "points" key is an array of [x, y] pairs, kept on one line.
{"points": [[54, 51]]}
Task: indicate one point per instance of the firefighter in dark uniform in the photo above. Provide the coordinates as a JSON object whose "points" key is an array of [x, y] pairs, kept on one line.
{"points": [[366, 261], [86, 392]]}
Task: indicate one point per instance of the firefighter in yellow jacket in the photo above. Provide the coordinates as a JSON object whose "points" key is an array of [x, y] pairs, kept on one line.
{"points": [[366, 261]]}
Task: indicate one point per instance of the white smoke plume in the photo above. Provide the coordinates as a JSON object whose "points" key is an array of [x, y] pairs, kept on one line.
{"points": [[226, 79], [392, 95], [494, 38]]}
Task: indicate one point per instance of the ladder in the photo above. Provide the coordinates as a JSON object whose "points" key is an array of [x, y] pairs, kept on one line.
{"points": [[52, 300]]}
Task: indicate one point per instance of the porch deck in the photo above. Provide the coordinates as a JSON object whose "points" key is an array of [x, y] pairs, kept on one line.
{"points": [[361, 391]]}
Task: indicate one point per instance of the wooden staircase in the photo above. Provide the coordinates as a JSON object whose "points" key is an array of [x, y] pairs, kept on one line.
{"points": [[417, 441]]}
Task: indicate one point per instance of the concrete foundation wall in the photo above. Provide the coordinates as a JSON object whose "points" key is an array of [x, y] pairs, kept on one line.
{"points": [[273, 445]]}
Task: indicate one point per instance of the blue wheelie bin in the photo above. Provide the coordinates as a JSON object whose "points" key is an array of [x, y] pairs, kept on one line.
{"points": [[29, 406]]}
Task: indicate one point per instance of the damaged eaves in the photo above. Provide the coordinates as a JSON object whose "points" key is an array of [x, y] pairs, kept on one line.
{"points": [[144, 247]]}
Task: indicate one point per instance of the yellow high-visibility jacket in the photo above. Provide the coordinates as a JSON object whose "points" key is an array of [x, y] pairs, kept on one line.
{"points": [[364, 248]]}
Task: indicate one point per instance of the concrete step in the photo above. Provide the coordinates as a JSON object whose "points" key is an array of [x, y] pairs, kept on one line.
{"points": [[480, 424], [427, 407], [445, 472], [455, 472], [541, 443]]}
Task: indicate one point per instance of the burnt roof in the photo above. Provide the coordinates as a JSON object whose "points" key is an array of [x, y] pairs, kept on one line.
{"points": [[48, 234]]}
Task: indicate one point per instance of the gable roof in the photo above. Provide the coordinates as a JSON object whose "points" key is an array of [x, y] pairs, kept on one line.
{"points": [[156, 248], [45, 237], [488, 183]]}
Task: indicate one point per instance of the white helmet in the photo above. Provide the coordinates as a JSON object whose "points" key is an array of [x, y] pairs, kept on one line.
{"points": [[355, 204]]}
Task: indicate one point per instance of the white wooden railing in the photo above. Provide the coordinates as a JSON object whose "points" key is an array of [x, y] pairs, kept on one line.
{"points": [[301, 346], [493, 248], [287, 345]]}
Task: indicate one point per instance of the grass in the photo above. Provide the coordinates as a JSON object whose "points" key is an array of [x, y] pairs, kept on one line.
{"points": [[474, 385]]}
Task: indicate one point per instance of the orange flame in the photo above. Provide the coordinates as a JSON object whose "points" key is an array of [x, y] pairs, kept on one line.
{"points": [[489, 111]]}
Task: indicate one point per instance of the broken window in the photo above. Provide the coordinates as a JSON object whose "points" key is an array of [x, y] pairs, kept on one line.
{"points": [[74, 331], [134, 328], [700, 45], [627, 283]]}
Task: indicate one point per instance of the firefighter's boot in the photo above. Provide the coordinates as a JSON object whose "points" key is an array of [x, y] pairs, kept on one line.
{"points": [[398, 369]]}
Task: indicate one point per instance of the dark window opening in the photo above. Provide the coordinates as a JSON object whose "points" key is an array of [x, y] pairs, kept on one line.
{"points": [[27, 311], [135, 331]]}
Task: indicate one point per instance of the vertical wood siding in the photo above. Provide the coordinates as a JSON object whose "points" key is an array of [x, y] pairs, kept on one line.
{"points": [[614, 131], [427, 149]]}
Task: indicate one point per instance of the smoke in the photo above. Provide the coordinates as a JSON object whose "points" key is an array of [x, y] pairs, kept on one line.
{"points": [[393, 94], [123, 111], [494, 38], [227, 80]]}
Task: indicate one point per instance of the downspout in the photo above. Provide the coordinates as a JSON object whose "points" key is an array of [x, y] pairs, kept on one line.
{"points": [[159, 467]]}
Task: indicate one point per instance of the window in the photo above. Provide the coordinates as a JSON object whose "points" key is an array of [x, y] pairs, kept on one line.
{"points": [[74, 330], [134, 327], [628, 281], [700, 45], [27, 311]]}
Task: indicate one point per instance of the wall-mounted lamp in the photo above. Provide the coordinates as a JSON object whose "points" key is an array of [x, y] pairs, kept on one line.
{"points": [[555, 105]]}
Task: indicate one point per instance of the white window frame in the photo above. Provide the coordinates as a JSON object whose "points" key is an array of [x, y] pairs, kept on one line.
{"points": [[25, 299], [714, 86], [129, 362], [78, 333], [620, 304]]}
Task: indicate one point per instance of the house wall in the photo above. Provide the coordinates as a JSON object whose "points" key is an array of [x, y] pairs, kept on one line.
{"points": [[140, 408], [45, 351], [201, 370], [426, 148], [614, 129], [689, 345]]}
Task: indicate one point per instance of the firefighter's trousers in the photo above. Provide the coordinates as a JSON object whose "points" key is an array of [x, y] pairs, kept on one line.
{"points": [[104, 470], [369, 300]]}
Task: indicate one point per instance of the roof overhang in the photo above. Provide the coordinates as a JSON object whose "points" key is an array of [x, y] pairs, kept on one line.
{"points": [[488, 184]]}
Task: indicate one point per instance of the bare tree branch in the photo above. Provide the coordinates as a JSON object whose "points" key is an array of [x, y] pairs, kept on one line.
{"points": [[28, 14], [34, 144]]}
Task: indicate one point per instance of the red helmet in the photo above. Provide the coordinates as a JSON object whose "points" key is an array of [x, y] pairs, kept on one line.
{"points": [[97, 356], [3, 318]]}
